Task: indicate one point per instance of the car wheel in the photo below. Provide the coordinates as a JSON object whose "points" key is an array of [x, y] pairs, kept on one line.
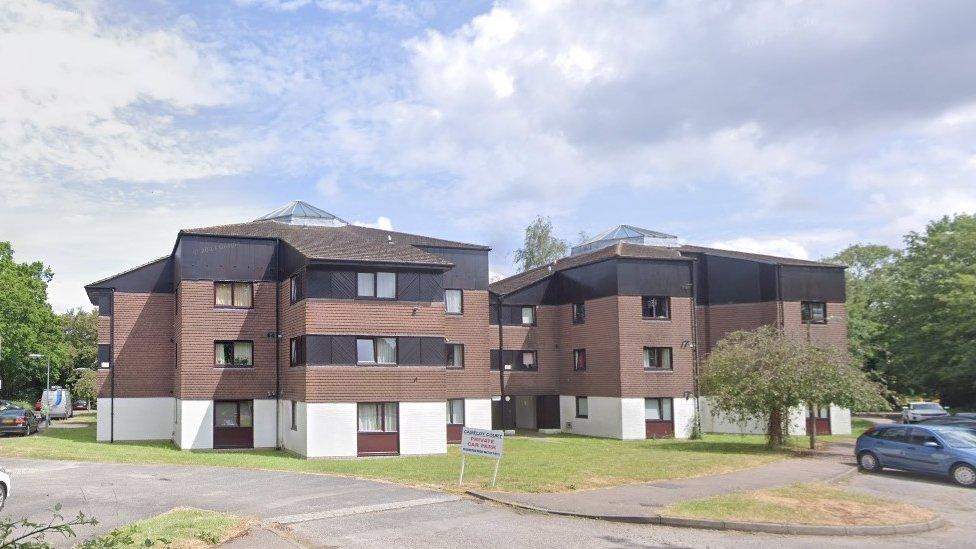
{"points": [[868, 462], [964, 475], [3, 495]]}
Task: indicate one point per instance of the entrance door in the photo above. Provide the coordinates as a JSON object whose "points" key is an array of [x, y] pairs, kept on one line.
{"points": [[822, 419], [496, 414], [658, 418], [547, 411], [455, 420], [233, 424]]}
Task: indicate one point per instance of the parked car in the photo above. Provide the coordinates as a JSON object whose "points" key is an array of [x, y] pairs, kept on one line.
{"points": [[18, 421], [917, 411], [60, 403], [4, 486], [943, 450], [80, 404], [949, 420], [966, 415]]}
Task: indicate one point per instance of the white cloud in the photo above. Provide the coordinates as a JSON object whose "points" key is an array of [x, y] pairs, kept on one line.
{"points": [[381, 222], [783, 247]]}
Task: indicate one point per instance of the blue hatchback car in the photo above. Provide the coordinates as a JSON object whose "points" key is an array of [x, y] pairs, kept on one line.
{"points": [[943, 450]]}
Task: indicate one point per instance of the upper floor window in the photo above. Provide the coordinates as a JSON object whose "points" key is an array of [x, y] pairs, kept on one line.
{"points": [[579, 313], [233, 294], [297, 351], [454, 355], [813, 312], [378, 285], [293, 289], [656, 307], [582, 407], [453, 302], [528, 316], [230, 354], [657, 358], [517, 360], [579, 360], [376, 350]]}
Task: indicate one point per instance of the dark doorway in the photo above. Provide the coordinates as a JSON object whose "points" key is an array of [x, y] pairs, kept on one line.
{"points": [[823, 421], [233, 424], [547, 411], [496, 414]]}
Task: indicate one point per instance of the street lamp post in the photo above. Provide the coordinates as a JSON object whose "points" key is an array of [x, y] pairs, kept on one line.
{"points": [[47, 420]]}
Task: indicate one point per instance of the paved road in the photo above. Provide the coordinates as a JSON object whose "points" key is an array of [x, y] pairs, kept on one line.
{"points": [[326, 511]]}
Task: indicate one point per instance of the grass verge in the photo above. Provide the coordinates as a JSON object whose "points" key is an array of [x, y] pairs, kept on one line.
{"points": [[811, 503], [531, 463], [181, 528]]}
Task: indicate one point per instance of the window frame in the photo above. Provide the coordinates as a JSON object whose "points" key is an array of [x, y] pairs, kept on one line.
{"points": [[231, 342], [459, 291], [237, 414], [293, 295], [660, 409], [580, 317], [450, 415], [382, 417], [375, 296], [233, 294], [668, 368], [297, 352], [806, 312], [294, 415], [585, 415], [519, 358], [577, 355], [450, 365], [667, 306], [376, 353], [522, 309]]}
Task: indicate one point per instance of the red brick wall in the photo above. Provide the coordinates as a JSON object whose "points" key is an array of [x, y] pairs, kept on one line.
{"points": [[374, 383], [600, 336], [834, 332], [201, 324], [544, 338], [292, 325], [717, 321], [143, 353], [637, 333], [471, 330], [365, 317]]}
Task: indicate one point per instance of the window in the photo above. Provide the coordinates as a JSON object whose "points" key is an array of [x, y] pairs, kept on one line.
{"points": [[233, 414], [920, 437], [582, 407], [657, 409], [454, 355], [579, 360], [453, 302], [517, 360], [579, 313], [233, 294], [528, 316], [378, 285], [455, 411], [895, 434], [813, 312], [528, 361], [376, 350], [656, 307], [230, 354], [297, 348], [657, 358], [378, 417], [293, 289], [294, 415]]}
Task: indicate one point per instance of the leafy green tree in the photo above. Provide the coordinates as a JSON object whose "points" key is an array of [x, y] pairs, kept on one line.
{"points": [[764, 373], [86, 386], [27, 325], [541, 247], [868, 284], [80, 329], [929, 312]]}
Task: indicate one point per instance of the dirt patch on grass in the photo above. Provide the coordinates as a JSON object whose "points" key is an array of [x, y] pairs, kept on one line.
{"points": [[813, 503]]}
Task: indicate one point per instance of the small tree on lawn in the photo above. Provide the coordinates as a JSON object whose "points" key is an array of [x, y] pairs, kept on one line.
{"points": [[86, 386], [764, 373]]}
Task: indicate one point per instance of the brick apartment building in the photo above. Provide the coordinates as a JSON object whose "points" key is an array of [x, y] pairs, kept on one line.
{"points": [[301, 331]]}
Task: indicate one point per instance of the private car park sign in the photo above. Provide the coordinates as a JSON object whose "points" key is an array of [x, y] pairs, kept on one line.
{"points": [[481, 442]]}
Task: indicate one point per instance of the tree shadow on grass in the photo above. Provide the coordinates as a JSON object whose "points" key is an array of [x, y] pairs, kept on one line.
{"points": [[719, 447]]}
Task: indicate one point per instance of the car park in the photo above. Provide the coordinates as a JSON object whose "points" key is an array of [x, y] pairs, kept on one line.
{"points": [[943, 450], [917, 411], [4, 486], [950, 420], [17, 421]]}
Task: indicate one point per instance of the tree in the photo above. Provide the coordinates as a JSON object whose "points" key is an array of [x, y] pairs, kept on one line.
{"points": [[27, 325], [86, 386], [80, 329], [764, 373], [868, 283], [928, 312], [541, 247]]}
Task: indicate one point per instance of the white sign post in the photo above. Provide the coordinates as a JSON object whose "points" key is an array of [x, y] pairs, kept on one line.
{"points": [[481, 442]]}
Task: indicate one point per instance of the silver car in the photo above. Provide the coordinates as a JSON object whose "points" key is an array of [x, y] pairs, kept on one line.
{"points": [[917, 411]]}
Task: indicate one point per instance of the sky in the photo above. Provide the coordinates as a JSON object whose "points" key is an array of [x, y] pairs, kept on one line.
{"points": [[792, 128]]}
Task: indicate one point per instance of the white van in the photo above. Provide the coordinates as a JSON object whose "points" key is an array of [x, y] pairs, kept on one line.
{"points": [[60, 403]]}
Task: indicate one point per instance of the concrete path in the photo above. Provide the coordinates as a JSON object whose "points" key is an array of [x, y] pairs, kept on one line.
{"points": [[648, 499]]}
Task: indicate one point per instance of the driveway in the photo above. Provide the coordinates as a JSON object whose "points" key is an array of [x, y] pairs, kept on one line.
{"points": [[325, 511]]}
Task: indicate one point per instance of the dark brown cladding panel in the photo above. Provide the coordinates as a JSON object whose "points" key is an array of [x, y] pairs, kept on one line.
{"points": [[144, 353], [224, 258]]}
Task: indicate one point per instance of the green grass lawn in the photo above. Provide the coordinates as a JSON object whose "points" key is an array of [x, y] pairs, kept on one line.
{"points": [[181, 528], [531, 463], [812, 503]]}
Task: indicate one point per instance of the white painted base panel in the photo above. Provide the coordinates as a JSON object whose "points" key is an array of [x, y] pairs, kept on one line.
{"points": [[477, 413], [135, 419], [423, 428], [194, 429]]}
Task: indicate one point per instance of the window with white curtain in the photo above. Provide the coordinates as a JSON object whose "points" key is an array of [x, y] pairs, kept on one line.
{"points": [[657, 358], [233, 353], [454, 355], [455, 411], [378, 417], [386, 285], [386, 350], [453, 302], [582, 407], [233, 294], [366, 285], [528, 316], [657, 409]]}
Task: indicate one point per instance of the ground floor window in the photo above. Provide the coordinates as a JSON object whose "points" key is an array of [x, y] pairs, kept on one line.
{"points": [[378, 417], [294, 415], [657, 409], [455, 411], [233, 414], [582, 407]]}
